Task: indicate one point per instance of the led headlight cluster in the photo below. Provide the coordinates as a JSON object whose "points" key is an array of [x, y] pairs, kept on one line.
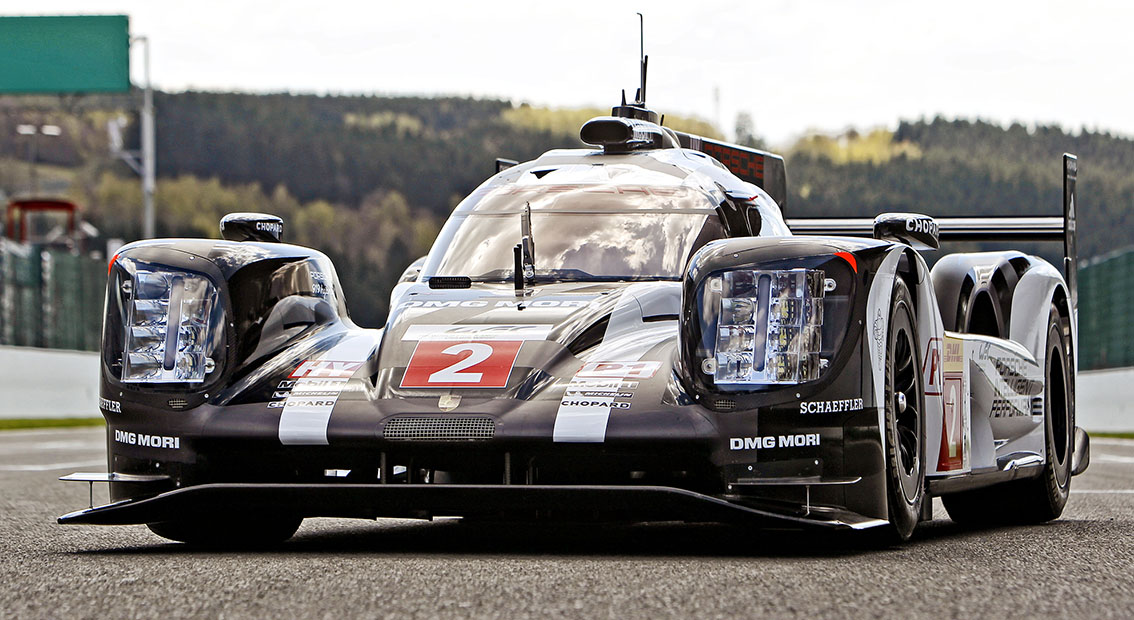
{"points": [[769, 326], [169, 327]]}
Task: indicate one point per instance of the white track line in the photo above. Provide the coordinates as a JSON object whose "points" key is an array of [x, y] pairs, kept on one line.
{"points": [[1111, 441], [57, 430], [43, 446], [1104, 491], [51, 466], [1111, 458]]}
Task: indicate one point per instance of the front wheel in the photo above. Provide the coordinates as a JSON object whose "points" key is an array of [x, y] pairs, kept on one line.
{"points": [[904, 426]]}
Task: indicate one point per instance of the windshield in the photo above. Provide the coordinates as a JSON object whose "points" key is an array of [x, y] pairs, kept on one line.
{"points": [[577, 246], [594, 231]]}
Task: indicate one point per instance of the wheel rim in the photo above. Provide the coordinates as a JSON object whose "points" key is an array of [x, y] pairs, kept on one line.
{"points": [[906, 405]]}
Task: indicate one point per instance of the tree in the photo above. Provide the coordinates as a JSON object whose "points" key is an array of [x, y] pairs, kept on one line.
{"points": [[746, 132]]}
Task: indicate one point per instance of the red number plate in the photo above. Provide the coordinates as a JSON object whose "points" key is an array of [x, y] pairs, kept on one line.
{"points": [[444, 363]]}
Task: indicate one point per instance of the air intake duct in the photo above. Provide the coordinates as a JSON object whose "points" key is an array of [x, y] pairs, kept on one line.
{"points": [[622, 135]]}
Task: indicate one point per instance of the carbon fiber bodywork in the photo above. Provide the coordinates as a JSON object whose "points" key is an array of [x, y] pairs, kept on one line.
{"points": [[660, 433], [501, 393]]}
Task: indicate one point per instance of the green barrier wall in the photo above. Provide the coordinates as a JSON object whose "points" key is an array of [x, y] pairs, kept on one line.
{"points": [[50, 299], [1106, 311]]}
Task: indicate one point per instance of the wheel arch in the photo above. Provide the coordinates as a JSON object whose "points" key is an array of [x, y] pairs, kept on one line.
{"points": [[980, 285], [1038, 289]]}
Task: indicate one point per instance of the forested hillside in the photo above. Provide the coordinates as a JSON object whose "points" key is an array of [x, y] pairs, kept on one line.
{"points": [[369, 179], [944, 167]]}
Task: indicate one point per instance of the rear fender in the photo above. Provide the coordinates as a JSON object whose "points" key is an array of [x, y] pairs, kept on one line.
{"points": [[1039, 287]]}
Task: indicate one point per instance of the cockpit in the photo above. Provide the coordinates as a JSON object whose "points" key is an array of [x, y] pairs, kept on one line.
{"points": [[585, 222]]}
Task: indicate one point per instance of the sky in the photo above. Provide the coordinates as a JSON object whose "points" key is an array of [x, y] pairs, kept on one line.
{"points": [[794, 66]]}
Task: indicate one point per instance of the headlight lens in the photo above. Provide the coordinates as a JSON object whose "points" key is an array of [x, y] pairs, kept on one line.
{"points": [[766, 324], [769, 327], [171, 320]]}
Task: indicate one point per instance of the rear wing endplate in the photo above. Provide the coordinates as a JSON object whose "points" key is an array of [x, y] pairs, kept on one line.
{"points": [[979, 228]]}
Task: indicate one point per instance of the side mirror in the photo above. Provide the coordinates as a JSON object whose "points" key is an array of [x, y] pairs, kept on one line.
{"points": [[252, 227], [918, 231]]}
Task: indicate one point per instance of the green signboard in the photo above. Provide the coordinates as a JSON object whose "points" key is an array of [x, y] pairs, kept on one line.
{"points": [[65, 54]]}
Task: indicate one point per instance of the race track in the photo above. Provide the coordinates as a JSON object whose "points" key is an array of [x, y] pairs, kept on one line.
{"points": [[1079, 566]]}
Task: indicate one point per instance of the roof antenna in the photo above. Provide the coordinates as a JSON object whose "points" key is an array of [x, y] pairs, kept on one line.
{"points": [[638, 110], [641, 99]]}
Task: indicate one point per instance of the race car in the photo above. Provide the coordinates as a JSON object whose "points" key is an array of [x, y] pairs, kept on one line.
{"points": [[630, 332]]}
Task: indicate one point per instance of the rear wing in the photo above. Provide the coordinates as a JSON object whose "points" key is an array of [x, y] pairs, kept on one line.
{"points": [[978, 228], [760, 168]]}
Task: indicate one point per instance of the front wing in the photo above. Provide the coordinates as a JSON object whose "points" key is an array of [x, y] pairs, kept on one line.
{"points": [[633, 503]]}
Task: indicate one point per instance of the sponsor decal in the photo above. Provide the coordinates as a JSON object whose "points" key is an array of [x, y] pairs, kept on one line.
{"points": [[831, 406], [954, 359], [443, 363], [931, 367], [603, 394], [319, 284], [313, 388], [879, 329], [622, 370], [1012, 370], [148, 441], [326, 369], [272, 227], [597, 389], [304, 401], [484, 303], [951, 456], [112, 406], [571, 402], [801, 440], [476, 332], [922, 225], [953, 453], [1014, 381]]}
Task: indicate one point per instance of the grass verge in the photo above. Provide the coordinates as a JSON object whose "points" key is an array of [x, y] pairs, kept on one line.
{"points": [[19, 423], [1112, 435]]}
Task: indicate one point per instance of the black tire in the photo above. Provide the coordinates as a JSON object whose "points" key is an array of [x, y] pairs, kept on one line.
{"points": [[904, 420], [1042, 498], [235, 532]]}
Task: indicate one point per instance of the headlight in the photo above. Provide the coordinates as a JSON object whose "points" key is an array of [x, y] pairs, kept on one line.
{"points": [[170, 323], [769, 327], [774, 324]]}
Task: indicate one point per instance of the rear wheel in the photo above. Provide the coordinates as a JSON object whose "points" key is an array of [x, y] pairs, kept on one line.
{"points": [[235, 532], [1042, 498], [904, 420]]}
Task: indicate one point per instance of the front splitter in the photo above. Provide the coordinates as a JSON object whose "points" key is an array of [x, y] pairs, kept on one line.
{"points": [[369, 501]]}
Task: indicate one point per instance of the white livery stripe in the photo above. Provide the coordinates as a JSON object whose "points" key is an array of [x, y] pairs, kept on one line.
{"points": [[583, 414], [305, 416], [585, 423]]}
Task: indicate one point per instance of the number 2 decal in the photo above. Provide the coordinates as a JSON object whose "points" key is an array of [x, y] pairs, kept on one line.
{"points": [[480, 352], [441, 363]]}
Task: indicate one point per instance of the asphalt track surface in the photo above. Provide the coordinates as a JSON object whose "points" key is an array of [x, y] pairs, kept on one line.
{"points": [[1081, 565]]}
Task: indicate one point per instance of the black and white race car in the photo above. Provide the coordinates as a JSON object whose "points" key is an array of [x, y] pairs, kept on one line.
{"points": [[630, 332]]}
